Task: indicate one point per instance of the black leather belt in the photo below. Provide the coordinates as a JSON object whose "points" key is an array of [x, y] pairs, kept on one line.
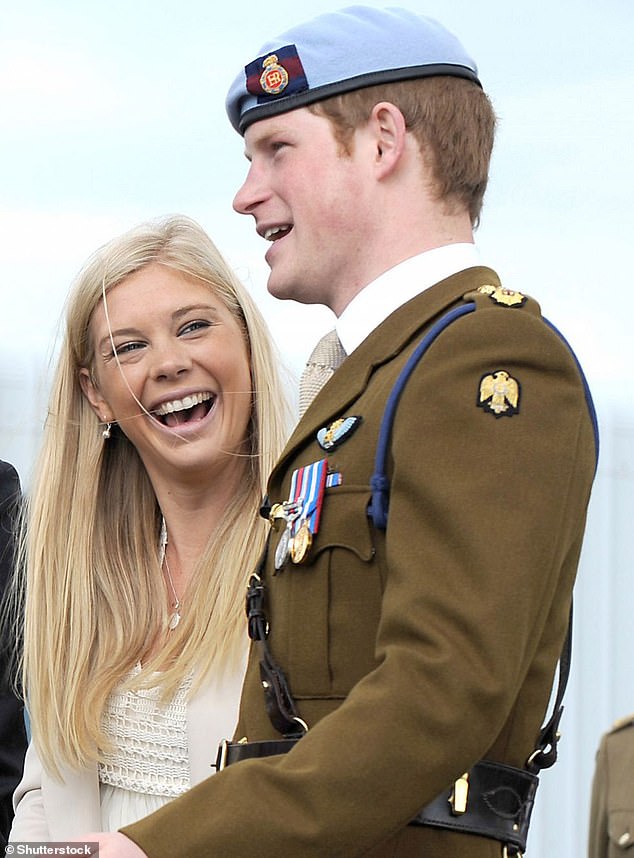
{"points": [[234, 752], [492, 799]]}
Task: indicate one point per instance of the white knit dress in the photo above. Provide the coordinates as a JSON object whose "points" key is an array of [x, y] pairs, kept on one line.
{"points": [[149, 764]]}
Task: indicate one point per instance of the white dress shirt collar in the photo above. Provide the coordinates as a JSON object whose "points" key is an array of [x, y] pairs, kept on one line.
{"points": [[399, 284]]}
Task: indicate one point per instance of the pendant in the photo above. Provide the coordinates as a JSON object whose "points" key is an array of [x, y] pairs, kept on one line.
{"points": [[174, 620]]}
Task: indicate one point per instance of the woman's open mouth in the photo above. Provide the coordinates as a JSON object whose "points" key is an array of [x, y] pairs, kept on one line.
{"points": [[178, 412]]}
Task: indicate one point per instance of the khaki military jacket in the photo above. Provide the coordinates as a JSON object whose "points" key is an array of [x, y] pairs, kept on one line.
{"points": [[414, 651], [612, 807]]}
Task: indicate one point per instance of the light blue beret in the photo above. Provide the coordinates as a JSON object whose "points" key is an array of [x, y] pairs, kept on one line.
{"points": [[340, 51]]}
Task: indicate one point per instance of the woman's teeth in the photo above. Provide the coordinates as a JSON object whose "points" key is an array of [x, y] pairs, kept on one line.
{"points": [[182, 404]]}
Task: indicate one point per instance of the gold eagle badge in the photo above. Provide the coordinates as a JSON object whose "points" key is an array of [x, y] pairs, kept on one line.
{"points": [[507, 297], [499, 394]]}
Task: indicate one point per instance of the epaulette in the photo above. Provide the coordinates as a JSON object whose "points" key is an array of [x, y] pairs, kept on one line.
{"points": [[486, 295], [621, 723]]}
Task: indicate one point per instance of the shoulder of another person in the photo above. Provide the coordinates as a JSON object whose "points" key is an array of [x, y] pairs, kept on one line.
{"points": [[7, 471], [621, 724], [9, 484]]}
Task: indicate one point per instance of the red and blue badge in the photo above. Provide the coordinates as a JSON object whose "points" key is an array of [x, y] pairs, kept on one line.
{"points": [[276, 73]]}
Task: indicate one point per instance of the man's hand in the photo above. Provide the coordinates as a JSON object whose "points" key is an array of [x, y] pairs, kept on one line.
{"points": [[113, 845]]}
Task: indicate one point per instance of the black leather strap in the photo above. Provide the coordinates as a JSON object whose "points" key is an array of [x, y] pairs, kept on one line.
{"points": [[278, 700], [499, 803], [498, 799], [545, 754]]}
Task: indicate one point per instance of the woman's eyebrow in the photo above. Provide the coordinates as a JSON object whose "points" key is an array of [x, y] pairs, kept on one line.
{"points": [[127, 332], [182, 311]]}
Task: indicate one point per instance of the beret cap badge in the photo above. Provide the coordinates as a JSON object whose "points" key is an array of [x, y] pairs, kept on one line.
{"points": [[275, 74], [274, 78]]}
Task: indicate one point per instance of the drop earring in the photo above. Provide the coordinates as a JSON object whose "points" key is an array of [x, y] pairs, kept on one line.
{"points": [[106, 432]]}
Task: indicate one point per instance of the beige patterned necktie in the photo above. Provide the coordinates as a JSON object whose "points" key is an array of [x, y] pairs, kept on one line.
{"points": [[327, 355]]}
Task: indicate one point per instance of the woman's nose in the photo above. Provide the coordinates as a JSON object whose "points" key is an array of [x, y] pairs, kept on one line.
{"points": [[170, 360]]}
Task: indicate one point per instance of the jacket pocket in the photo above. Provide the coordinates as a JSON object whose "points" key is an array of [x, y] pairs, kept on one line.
{"points": [[334, 599], [621, 830], [345, 523]]}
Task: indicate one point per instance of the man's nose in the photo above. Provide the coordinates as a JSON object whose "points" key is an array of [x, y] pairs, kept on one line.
{"points": [[250, 194]]}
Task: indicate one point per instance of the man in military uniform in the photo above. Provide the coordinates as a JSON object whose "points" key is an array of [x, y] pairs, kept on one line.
{"points": [[612, 807], [412, 608]]}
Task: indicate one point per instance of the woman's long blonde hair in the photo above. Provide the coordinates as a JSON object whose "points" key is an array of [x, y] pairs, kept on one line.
{"points": [[95, 595]]}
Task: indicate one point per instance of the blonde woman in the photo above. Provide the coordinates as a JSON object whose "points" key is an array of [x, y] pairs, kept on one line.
{"points": [[142, 527]]}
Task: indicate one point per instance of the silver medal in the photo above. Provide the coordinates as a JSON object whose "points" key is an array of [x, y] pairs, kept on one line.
{"points": [[283, 547]]}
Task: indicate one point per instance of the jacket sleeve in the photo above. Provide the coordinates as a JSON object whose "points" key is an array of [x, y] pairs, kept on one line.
{"points": [[29, 822], [485, 524]]}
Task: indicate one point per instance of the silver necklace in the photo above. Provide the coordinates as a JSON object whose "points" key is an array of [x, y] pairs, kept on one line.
{"points": [[175, 616]]}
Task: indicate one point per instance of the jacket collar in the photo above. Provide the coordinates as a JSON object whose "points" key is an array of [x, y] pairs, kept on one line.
{"points": [[381, 346]]}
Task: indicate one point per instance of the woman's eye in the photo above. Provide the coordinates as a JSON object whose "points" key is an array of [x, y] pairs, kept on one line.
{"points": [[126, 348], [192, 327]]}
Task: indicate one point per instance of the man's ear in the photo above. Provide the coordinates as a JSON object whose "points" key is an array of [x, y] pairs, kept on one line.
{"points": [[91, 392], [388, 125]]}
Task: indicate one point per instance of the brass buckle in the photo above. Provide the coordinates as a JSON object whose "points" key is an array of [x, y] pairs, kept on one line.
{"points": [[222, 761], [459, 793], [505, 853], [223, 751]]}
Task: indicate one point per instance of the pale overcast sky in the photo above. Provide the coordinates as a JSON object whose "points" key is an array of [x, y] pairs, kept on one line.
{"points": [[113, 112]]}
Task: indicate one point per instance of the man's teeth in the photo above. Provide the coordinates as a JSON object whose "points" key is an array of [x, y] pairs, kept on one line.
{"points": [[274, 231], [182, 404]]}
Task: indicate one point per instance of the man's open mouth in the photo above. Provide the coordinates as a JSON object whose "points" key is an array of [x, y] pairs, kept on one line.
{"points": [[276, 232]]}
